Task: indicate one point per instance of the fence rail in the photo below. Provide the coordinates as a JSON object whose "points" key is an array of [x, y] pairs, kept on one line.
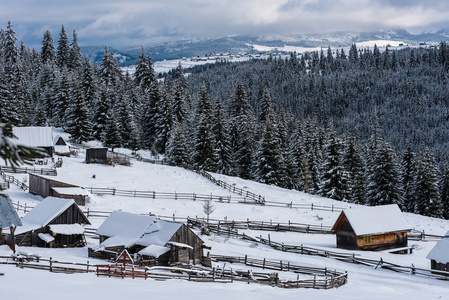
{"points": [[26, 170], [322, 278], [345, 257], [13, 180]]}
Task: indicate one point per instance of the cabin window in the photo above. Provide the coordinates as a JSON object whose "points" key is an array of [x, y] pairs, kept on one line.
{"points": [[367, 240]]}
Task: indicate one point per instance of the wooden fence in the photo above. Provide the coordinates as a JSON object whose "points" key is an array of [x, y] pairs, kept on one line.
{"points": [[26, 170], [12, 179], [322, 278], [342, 256]]}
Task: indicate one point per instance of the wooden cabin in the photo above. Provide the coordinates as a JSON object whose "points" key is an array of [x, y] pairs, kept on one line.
{"points": [[97, 155], [371, 228], [49, 187], [54, 222], [9, 220], [35, 137], [439, 255], [153, 241]]}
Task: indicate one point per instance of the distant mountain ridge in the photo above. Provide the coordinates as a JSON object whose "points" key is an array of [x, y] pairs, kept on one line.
{"points": [[242, 43]]}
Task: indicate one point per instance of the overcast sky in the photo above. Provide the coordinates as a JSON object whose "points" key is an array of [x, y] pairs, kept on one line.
{"points": [[139, 22]]}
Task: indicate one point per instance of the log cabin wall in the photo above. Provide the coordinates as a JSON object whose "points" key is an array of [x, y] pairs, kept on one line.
{"points": [[186, 236], [42, 186]]}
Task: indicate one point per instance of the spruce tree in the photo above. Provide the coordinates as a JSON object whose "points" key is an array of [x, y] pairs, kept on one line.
{"points": [[77, 117], [428, 201], [409, 173], [63, 50]]}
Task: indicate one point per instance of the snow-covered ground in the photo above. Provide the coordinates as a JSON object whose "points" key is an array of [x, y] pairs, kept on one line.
{"points": [[363, 282]]}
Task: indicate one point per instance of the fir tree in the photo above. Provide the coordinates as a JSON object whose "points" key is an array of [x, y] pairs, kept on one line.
{"points": [[428, 201], [408, 167], [63, 50], [77, 117], [48, 51]]}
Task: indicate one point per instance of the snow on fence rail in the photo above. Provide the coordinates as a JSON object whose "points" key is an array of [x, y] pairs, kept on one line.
{"points": [[322, 278], [12, 179], [26, 170], [345, 257]]}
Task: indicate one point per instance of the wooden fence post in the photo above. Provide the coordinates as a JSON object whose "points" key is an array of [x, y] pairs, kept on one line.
{"points": [[51, 265]]}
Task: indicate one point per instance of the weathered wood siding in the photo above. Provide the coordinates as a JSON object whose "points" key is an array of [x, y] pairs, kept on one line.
{"points": [[186, 236], [347, 239], [97, 155], [43, 187], [72, 215], [434, 265]]}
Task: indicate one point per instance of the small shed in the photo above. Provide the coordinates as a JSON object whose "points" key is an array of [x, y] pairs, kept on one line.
{"points": [[36, 137], [8, 220], [49, 187], [439, 255], [155, 242], [54, 222], [371, 228], [61, 147], [97, 155]]}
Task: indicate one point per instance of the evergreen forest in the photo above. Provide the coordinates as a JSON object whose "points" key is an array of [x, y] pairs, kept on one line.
{"points": [[364, 127]]}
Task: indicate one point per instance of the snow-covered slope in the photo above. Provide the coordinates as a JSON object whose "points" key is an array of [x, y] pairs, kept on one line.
{"points": [[363, 282]]}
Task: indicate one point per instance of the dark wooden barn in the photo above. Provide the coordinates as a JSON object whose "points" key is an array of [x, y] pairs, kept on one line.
{"points": [[439, 255], [49, 187], [97, 155], [371, 228], [9, 220], [155, 242], [52, 223]]}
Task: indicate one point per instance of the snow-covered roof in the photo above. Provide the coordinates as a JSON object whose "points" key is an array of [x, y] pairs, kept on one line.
{"points": [[440, 252], [78, 191], [62, 149], [8, 215], [67, 229], [34, 136], [180, 245], [46, 237], [44, 213], [154, 250], [129, 229], [370, 220]]}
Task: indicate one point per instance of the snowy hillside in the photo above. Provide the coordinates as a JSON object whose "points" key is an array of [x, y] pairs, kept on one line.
{"points": [[364, 282]]}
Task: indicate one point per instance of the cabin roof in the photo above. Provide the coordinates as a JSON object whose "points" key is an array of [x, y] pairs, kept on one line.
{"points": [[440, 252], [129, 229], [46, 211], [34, 136], [8, 215], [370, 220]]}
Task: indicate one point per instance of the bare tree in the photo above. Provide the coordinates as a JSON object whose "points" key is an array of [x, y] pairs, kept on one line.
{"points": [[208, 208]]}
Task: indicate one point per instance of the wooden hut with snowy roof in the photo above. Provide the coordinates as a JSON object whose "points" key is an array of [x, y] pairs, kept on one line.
{"points": [[154, 241], [54, 222], [9, 220], [61, 147], [36, 137], [371, 228], [439, 255]]}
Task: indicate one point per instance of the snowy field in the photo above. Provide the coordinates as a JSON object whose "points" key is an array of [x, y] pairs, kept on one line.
{"points": [[363, 282]]}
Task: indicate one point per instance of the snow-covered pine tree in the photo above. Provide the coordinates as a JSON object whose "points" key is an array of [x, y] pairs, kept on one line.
{"points": [[445, 192], [334, 181], [384, 183], [75, 59], [428, 200], [177, 148], [101, 115], [205, 155], [63, 50], [48, 51], [269, 164], [221, 132], [409, 173], [354, 164], [77, 117]]}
